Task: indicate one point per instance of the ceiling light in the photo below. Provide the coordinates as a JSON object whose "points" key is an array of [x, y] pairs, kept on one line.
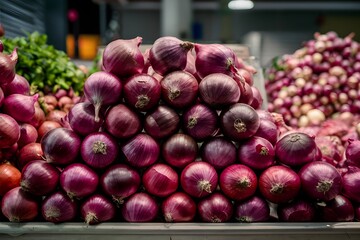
{"points": [[240, 4]]}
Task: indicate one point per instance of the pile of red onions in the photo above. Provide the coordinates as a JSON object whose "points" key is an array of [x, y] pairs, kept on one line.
{"points": [[156, 140]]}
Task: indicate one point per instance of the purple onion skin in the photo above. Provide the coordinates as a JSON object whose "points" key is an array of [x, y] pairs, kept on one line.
{"points": [[97, 209], [219, 152], [352, 152], [339, 209], [20, 107], [268, 130], [215, 208], [58, 207], [298, 210], [351, 181], [18, 85], [253, 209], [178, 207], [7, 67], [140, 207], [9, 131]]}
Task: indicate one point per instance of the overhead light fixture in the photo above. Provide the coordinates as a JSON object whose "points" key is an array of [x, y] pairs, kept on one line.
{"points": [[241, 4]]}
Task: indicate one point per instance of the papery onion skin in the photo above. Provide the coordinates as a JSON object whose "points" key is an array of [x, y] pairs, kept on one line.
{"points": [[20, 107], [10, 178], [97, 209], [219, 152], [219, 90], [179, 150], [7, 67], [122, 122], [239, 121], [339, 209], [298, 210], [279, 184], [200, 121], [238, 182], [99, 150], [18, 85], [9, 131], [258, 100], [61, 146], [141, 150], [58, 207], [253, 209], [19, 206], [39, 178], [142, 92], [162, 122], [215, 208], [140, 207], [160, 180], [120, 181], [199, 179], [29, 152], [320, 180], [178, 207], [179, 89], [78, 180], [351, 181]]}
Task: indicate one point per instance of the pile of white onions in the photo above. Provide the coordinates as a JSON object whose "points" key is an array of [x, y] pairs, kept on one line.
{"points": [[177, 134]]}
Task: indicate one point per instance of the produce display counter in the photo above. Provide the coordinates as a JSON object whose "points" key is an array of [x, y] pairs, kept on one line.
{"points": [[181, 231]]}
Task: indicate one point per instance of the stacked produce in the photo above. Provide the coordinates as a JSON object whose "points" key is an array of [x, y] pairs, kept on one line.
{"points": [[177, 134]]}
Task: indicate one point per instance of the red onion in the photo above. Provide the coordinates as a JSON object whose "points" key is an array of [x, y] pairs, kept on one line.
{"points": [[161, 122], [246, 91], [258, 100], [122, 122], [97, 209], [295, 149], [142, 92], [239, 122], [102, 89], [9, 131], [38, 118], [1, 96], [78, 180], [268, 130], [253, 209], [219, 152], [10, 178], [200, 121], [140, 207], [169, 54], [320, 180], [298, 210], [190, 66], [214, 58], [352, 152], [61, 146], [160, 180], [58, 207], [351, 181], [56, 115], [7, 67], [219, 90], [199, 179], [99, 150], [215, 208], [19, 206], [179, 89], [238, 182], [141, 150], [20, 107], [39, 178], [82, 118], [123, 57], [256, 153], [179, 150], [178, 207], [18, 85], [339, 209], [328, 149], [29, 152], [120, 181], [28, 134], [279, 184], [45, 127]]}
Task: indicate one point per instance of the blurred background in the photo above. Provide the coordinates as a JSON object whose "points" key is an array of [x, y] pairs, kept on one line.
{"points": [[268, 27]]}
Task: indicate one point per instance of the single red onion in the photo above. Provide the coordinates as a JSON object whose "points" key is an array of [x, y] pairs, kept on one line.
{"points": [[28, 134], [179, 89], [61, 146], [10, 178], [246, 93], [140, 207], [162, 122], [298, 210], [253, 209], [78, 180], [160, 180], [120, 181], [9, 131], [169, 54], [102, 89], [18, 85], [123, 57], [141, 150], [199, 179], [59, 207], [20, 107], [219, 152], [200, 121], [351, 181], [28, 153], [97, 209], [142, 92], [352, 152], [179, 150], [339, 209], [7, 67], [268, 130], [38, 117], [258, 99], [45, 127], [215, 208], [178, 207]]}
